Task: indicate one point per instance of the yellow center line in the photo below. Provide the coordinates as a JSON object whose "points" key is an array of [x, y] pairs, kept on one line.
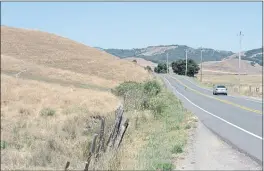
{"points": [[223, 101]]}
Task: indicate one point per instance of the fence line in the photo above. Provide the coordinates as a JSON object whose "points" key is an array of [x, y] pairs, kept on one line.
{"points": [[98, 147]]}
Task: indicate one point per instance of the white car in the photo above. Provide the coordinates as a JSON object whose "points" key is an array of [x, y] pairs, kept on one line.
{"points": [[219, 89]]}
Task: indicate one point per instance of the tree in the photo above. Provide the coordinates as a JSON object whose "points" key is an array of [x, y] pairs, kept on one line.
{"points": [[135, 61], [161, 68], [148, 68], [179, 67]]}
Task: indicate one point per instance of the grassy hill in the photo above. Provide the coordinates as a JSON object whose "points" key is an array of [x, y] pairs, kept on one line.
{"points": [[158, 53], [254, 55], [51, 87], [49, 50]]}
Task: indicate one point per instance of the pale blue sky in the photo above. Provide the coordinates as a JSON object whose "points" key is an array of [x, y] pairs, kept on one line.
{"points": [[142, 24]]}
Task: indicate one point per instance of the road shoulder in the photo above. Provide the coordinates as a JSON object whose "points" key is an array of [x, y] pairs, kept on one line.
{"points": [[206, 151]]}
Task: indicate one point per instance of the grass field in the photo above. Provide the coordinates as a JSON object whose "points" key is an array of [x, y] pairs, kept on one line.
{"points": [[250, 85], [158, 129], [43, 125], [52, 87]]}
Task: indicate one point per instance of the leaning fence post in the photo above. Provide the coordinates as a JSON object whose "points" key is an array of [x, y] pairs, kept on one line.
{"points": [[67, 166], [116, 128], [118, 124], [101, 139], [121, 133], [91, 152]]}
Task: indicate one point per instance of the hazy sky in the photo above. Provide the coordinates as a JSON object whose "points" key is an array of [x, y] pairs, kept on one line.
{"points": [[141, 24]]}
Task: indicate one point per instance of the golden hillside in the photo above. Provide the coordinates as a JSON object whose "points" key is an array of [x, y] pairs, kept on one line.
{"points": [[61, 53], [51, 87]]}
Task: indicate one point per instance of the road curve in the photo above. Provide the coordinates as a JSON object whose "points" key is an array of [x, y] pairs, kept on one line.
{"points": [[237, 120]]}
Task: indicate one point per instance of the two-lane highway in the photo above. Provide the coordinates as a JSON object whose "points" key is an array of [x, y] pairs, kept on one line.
{"points": [[237, 120]]}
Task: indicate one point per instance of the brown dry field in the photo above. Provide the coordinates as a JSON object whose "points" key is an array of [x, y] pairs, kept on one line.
{"points": [[46, 110], [142, 62], [225, 72], [248, 83], [58, 52], [231, 65]]}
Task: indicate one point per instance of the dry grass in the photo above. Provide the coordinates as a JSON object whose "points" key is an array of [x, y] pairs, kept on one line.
{"points": [[142, 62], [231, 65], [248, 83], [44, 125], [14, 66], [225, 72], [57, 52]]}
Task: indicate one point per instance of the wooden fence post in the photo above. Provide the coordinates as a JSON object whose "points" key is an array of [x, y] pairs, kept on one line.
{"points": [[114, 140], [101, 139], [67, 166], [116, 128], [121, 133], [91, 152]]}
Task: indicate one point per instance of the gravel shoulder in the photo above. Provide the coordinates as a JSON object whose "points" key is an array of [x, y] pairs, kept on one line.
{"points": [[206, 151]]}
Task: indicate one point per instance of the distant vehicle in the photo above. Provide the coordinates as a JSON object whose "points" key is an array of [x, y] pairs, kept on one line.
{"points": [[219, 89]]}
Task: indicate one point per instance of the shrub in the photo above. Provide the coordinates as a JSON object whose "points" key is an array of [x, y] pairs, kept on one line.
{"points": [[164, 166], [47, 112], [152, 88], [161, 68], [125, 87], [177, 149], [141, 96], [188, 126], [148, 68], [3, 144]]}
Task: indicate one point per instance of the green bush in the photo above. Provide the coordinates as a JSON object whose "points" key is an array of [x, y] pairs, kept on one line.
{"points": [[152, 88], [188, 127], [161, 68], [164, 166], [158, 105], [148, 68], [125, 87], [3, 144], [177, 149], [47, 112], [141, 96]]}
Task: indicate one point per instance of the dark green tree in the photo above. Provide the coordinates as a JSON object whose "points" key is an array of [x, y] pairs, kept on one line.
{"points": [[161, 68], [179, 67]]}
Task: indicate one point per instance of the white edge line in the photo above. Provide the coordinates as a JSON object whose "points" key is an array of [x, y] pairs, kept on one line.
{"points": [[245, 98], [254, 135]]}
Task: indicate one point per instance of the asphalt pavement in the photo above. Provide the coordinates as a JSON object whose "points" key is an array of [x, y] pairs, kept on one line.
{"points": [[237, 120]]}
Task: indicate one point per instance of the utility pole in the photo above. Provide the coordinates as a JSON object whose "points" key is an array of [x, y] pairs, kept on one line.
{"points": [[186, 51], [167, 64], [201, 65], [239, 57]]}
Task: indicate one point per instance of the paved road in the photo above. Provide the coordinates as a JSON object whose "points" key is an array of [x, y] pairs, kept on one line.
{"points": [[238, 120]]}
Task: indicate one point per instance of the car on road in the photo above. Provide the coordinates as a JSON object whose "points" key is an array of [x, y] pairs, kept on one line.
{"points": [[219, 89]]}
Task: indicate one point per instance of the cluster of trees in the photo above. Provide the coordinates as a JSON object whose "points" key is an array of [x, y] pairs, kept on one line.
{"points": [[161, 68], [179, 67]]}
